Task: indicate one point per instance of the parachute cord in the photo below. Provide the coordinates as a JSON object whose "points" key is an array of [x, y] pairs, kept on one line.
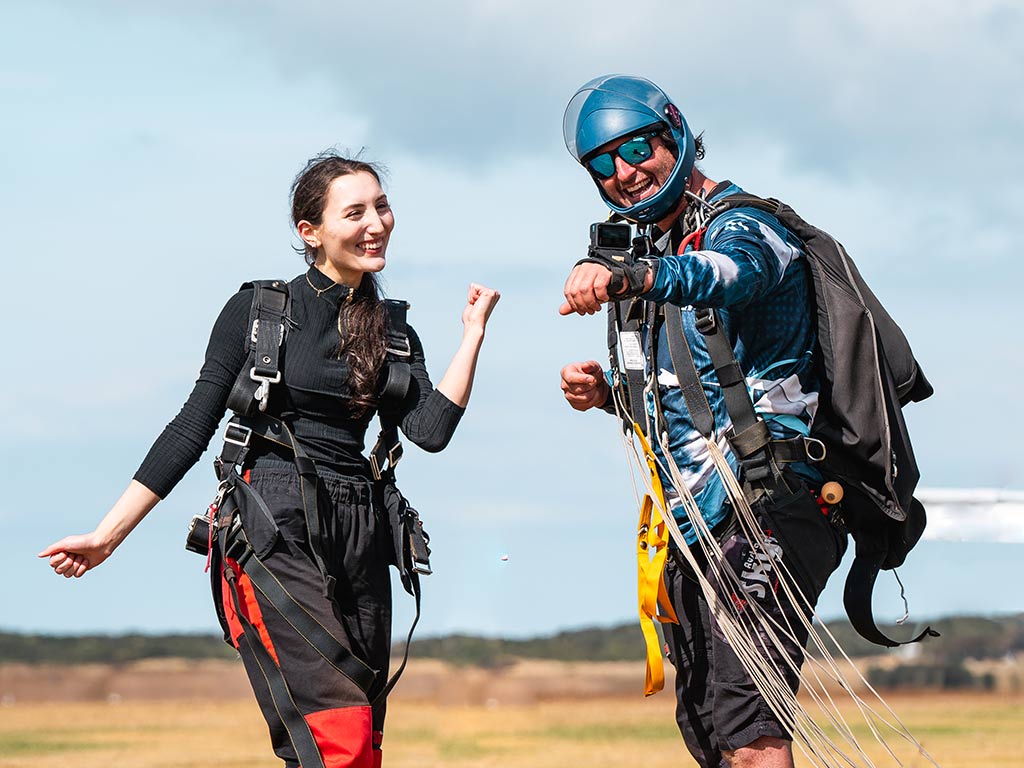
{"points": [[795, 595], [759, 631], [903, 596], [758, 639]]}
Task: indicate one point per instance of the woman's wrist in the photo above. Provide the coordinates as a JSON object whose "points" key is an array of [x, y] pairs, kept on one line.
{"points": [[473, 333]]}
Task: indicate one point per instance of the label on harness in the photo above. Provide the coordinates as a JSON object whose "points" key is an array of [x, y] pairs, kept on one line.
{"points": [[632, 351]]}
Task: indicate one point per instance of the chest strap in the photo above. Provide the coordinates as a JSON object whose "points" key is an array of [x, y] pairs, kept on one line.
{"points": [[268, 322]]}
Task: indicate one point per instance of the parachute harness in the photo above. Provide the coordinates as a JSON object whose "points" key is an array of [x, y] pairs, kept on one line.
{"points": [[758, 638]]}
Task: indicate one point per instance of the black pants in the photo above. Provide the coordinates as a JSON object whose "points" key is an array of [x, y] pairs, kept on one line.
{"points": [[346, 728], [718, 706]]}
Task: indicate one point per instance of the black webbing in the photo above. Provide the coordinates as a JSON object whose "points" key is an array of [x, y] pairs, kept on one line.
{"points": [[318, 636], [690, 385], [276, 431], [752, 436], [860, 582], [298, 729], [415, 580], [269, 333], [621, 321], [387, 451], [268, 319], [398, 372]]}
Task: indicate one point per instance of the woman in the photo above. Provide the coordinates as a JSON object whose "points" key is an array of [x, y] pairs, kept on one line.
{"points": [[334, 360]]}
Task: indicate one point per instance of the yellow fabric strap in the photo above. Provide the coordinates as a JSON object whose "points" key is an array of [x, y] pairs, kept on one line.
{"points": [[651, 552]]}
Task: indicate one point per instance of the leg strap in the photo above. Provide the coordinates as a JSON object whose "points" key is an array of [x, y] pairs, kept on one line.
{"points": [[298, 729], [318, 636]]}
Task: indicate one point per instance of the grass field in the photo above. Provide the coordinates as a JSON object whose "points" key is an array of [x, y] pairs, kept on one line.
{"points": [[960, 731]]}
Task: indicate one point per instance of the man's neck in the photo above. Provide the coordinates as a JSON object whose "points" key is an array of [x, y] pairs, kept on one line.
{"points": [[697, 183]]}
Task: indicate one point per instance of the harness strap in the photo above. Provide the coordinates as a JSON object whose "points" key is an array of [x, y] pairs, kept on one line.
{"points": [[267, 328], [652, 547], [624, 324], [690, 386], [408, 642], [387, 451], [318, 636], [237, 438], [860, 582], [399, 351], [750, 433], [298, 729]]}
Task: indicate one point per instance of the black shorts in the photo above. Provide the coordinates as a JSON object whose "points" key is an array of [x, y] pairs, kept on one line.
{"points": [[718, 706]]}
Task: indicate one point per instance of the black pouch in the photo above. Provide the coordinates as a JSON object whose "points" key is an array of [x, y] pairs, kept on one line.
{"points": [[812, 542], [410, 551], [198, 537]]}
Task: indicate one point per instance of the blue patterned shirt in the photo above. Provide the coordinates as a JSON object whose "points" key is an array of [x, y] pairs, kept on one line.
{"points": [[754, 272]]}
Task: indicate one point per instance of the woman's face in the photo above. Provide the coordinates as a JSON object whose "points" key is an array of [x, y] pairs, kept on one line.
{"points": [[354, 230]]}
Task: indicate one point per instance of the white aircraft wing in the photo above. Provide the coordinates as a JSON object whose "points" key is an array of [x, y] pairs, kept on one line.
{"points": [[973, 514]]}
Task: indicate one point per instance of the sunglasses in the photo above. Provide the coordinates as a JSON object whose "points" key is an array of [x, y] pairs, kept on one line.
{"points": [[634, 152]]}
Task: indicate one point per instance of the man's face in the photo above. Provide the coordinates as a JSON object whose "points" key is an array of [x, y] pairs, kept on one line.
{"points": [[629, 184]]}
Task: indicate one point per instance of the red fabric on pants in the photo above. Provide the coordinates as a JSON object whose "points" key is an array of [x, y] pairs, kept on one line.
{"points": [[250, 608], [355, 752]]}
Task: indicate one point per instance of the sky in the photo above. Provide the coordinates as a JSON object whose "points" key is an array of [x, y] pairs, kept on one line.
{"points": [[147, 152]]}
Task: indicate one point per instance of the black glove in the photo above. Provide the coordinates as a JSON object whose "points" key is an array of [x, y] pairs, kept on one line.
{"points": [[627, 278]]}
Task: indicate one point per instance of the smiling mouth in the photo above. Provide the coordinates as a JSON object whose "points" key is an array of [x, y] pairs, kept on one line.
{"points": [[372, 247], [640, 190]]}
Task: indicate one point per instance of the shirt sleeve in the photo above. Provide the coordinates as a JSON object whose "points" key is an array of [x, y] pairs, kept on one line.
{"points": [[183, 441], [745, 258], [429, 418]]}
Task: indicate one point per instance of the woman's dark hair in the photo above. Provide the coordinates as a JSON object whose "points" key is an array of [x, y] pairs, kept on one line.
{"points": [[362, 321]]}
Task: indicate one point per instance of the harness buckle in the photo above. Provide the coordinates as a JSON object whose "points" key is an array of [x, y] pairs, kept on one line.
{"points": [[815, 449], [704, 319], [419, 554], [262, 393], [242, 440], [404, 351], [256, 332], [389, 461]]}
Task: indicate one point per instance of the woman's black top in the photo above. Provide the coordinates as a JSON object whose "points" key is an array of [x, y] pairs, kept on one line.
{"points": [[312, 397]]}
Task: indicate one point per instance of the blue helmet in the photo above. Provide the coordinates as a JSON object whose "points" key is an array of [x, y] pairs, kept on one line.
{"points": [[612, 106]]}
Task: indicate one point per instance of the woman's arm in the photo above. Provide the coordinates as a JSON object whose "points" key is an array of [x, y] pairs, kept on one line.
{"points": [[72, 556], [430, 416], [457, 382], [174, 452]]}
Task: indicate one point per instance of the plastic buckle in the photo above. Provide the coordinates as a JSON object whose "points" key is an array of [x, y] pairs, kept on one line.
{"points": [[262, 393], [243, 441], [421, 567]]}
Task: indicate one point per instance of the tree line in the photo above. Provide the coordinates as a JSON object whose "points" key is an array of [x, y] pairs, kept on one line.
{"points": [[961, 638]]}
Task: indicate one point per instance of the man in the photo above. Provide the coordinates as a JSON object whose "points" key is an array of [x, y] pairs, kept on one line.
{"points": [[640, 153]]}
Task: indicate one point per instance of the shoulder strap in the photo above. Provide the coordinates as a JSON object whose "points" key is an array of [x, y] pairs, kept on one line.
{"points": [[387, 451], [690, 386], [268, 322], [624, 319]]}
